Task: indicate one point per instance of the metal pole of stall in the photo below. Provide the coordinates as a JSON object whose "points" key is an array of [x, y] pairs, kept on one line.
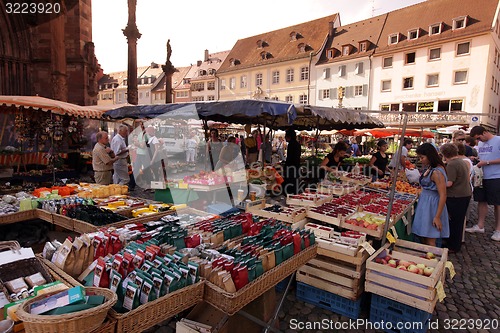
{"points": [[394, 179]]}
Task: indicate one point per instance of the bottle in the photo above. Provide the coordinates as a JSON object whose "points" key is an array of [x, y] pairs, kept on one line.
{"points": [[356, 170]]}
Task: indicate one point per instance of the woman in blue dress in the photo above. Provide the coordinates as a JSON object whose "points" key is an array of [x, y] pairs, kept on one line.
{"points": [[431, 216]]}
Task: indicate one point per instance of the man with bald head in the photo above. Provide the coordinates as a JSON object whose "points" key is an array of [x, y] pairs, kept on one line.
{"points": [[103, 159]]}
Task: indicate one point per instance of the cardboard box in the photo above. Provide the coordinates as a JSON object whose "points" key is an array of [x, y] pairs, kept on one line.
{"points": [[67, 297]]}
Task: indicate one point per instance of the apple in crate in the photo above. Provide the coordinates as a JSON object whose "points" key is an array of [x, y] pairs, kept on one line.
{"points": [[401, 267], [404, 263], [430, 255], [428, 271], [393, 263], [413, 269], [421, 268]]}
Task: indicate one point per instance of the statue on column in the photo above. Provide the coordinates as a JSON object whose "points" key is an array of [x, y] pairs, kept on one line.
{"points": [[169, 52], [169, 70]]}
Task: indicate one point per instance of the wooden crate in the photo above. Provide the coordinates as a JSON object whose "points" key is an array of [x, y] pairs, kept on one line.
{"points": [[334, 220], [418, 291], [317, 200], [335, 272], [337, 190], [257, 208], [378, 233]]}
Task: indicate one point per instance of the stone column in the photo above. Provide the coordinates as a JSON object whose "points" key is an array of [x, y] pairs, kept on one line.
{"points": [[169, 70], [58, 59], [132, 34]]}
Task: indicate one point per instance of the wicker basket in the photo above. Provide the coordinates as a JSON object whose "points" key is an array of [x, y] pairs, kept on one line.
{"points": [[54, 270], [25, 215], [84, 321], [154, 312], [84, 227], [109, 326], [230, 303], [44, 215], [63, 221]]}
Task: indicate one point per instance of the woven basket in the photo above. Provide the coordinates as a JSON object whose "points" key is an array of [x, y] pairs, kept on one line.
{"points": [[25, 215], [230, 303], [84, 321], [63, 221], [84, 227], [44, 215], [154, 312], [109, 326], [54, 270]]}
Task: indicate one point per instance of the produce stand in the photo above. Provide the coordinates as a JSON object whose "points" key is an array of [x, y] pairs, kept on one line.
{"points": [[412, 289]]}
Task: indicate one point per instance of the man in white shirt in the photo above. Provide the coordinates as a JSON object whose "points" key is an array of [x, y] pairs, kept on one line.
{"points": [[119, 147]]}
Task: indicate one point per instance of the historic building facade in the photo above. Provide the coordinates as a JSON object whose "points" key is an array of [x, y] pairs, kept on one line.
{"points": [[49, 56]]}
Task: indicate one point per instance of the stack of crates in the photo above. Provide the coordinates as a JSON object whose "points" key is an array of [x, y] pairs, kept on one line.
{"points": [[392, 313]]}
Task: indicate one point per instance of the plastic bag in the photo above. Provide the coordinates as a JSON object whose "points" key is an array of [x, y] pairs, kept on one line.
{"points": [[413, 175], [478, 176]]}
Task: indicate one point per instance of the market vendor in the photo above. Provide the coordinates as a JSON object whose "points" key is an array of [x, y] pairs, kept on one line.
{"points": [[103, 159], [292, 163], [119, 147], [333, 160], [379, 160]]}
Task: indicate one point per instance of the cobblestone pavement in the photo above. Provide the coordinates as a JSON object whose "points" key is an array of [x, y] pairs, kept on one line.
{"points": [[474, 293]]}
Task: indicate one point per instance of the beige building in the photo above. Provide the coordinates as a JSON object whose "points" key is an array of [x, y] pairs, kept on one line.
{"points": [[203, 85], [277, 64]]}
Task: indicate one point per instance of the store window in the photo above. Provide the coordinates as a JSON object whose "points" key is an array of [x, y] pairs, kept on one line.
{"points": [[456, 104], [384, 107], [410, 107], [425, 106]]}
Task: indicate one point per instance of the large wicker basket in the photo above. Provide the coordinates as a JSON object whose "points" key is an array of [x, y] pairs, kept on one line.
{"points": [[24, 215], [154, 312], [84, 321], [63, 221], [44, 215], [230, 303]]}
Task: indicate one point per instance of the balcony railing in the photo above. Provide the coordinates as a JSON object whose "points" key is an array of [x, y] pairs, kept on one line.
{"points": [[425, 119]]}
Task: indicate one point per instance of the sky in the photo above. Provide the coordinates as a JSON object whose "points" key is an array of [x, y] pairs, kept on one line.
{"points": [[195, 25]]}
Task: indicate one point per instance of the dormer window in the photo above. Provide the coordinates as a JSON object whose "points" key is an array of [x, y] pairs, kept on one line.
{"points": [[346, 50], [393, 39], [211, 71], [265, 55], [330, 53], [302, 47], [203, 72], [234, 62], [294, 36], [261, 43], [459, 22], [435, 29], [413, 34], [363, 46]]}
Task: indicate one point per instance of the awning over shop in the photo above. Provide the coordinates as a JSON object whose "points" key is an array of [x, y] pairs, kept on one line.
{"points": [[386, 132], [54, 106]]}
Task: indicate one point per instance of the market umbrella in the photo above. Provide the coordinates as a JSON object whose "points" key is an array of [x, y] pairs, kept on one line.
{"points": [[273, 113]]}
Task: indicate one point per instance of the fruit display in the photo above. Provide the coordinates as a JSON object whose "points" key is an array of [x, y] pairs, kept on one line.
{"points": [[356, 178], [367, 220], [11, 203], [405, 265], [288, 214], [310, 198], [358, 198], [407, 187], [205, 178], [337, 189]]}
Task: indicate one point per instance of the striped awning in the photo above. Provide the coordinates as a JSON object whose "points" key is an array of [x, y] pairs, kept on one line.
{"points": [[57, 107]]}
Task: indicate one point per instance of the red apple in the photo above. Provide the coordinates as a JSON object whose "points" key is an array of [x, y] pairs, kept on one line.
{"points": [[413, 269], [404, 263], [393, 263], [401, 267], [430, 255]]}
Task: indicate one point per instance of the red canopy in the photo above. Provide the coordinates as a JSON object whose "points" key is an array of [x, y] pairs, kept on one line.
{"points": [[386, 132]]}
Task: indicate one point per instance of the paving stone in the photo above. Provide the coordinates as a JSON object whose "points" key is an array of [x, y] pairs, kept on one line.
{"points": [[313, 317], [310, 305], [294, 311], [478, 302], [452, 308], [305, 310]]}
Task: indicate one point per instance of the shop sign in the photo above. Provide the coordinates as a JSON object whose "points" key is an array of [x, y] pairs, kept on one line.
{"points": [[425, 106]]}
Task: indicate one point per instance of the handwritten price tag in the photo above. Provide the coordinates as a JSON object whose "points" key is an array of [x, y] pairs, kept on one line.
{"points": [[440, 291], [451, 268], [394, 232], [390, 238], [367, 246]]}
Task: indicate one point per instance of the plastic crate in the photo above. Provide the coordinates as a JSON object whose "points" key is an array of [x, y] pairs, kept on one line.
{"points": [[329, 301], [281, 286], [222, 209], [389, 311]]}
